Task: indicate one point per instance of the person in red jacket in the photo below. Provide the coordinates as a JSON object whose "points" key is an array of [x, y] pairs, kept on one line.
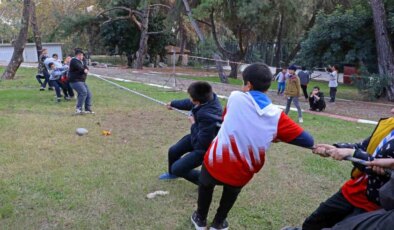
{"points": [[251, 122]]}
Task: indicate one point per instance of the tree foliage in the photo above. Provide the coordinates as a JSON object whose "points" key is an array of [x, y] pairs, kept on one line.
{"points": [[342, 37]]}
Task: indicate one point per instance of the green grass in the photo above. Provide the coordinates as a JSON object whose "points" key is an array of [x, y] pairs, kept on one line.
{"points": [[344, 91], [51, 178]]}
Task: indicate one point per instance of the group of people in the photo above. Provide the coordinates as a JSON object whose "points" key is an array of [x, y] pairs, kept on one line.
{"points": [[231, 148], [292, 85], [66, 76]]}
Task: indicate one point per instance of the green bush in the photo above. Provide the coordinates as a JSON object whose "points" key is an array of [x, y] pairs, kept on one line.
{"points": [[371, 86]]}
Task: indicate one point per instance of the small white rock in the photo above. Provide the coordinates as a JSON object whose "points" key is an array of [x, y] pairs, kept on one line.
{"points": [[81, 131], [154, 194]]}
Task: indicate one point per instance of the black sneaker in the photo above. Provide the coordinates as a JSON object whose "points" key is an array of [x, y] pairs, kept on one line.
{"points": [[219, 226], [198, 223], [50, 88]]}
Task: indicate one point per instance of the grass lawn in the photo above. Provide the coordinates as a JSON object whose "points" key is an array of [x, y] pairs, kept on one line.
{"points": [[50, 178], [344, 91]]}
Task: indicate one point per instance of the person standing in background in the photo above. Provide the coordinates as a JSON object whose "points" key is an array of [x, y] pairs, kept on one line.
{"points": [[304, 80], [333, 82]]}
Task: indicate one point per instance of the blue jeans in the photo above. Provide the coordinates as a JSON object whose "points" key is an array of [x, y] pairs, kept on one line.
{"points": [[185, 166], [84, 95], [56, 84], [281, 87]]}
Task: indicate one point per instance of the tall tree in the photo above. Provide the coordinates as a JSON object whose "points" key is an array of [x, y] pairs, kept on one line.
{"points": [[326, 6], [233, 20], [19, 44], [141, 20], [383, 45], [36, 29]]}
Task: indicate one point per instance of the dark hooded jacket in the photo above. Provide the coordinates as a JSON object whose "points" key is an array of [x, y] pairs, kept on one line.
{"points": [[207, 116]]}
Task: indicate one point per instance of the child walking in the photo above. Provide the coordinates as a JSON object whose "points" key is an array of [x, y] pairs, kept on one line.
{"points": [[293, 91], [281, 78], [251, 122]]}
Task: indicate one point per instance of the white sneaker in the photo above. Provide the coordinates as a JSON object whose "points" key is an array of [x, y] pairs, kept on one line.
{"points": [[78, 112], [89, 112], [300, 120]]}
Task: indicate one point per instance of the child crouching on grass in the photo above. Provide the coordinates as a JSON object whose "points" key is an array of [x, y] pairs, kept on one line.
{"points": [[206, 114], [251, 122]]}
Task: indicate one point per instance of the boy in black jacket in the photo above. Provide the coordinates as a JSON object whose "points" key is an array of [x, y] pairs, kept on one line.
{"points": [[206, 114], [77, 76]]}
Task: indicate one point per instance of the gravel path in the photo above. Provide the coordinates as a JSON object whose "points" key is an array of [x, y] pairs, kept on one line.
{"points": [[353, 109]]}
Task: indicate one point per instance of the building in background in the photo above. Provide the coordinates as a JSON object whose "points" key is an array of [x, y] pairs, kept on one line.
{"points": [[30, 52]]}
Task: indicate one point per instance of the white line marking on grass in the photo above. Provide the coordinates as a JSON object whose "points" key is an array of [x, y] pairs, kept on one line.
{"points": [[362, 121]]}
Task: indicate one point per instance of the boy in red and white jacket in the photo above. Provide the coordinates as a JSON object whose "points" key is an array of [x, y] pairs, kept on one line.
{"points": [[251, 122]]}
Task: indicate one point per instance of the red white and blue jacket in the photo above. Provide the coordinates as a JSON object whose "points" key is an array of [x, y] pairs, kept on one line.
{"points": [[251, 122]]}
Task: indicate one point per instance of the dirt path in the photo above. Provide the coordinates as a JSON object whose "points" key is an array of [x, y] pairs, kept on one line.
{"points": [[351, 109]]}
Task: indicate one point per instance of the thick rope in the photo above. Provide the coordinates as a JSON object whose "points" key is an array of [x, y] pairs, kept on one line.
{"points": [[139, 94]]}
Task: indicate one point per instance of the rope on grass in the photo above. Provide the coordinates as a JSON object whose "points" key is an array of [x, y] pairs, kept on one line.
{"points": [[139, 94]]}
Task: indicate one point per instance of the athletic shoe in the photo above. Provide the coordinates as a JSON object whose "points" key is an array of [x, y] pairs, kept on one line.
{"points": [[59, 99], [300, 120], [198, 223], [89, 112], [78, 112], [67, 98], [50, 88], [219, 226], [167, 176], [42, 88]]}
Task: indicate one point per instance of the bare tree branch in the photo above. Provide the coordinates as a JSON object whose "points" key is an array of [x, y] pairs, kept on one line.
{"points": [[116, 19], [204, 22], [133, 14], [215, 37], [158, 32], [158, 4]]}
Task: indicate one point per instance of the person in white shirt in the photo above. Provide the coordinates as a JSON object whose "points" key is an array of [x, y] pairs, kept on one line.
{"points": [[333, 82]]}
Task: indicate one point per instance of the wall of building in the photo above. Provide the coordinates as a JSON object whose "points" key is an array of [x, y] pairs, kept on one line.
{"points": [[30, 52]]}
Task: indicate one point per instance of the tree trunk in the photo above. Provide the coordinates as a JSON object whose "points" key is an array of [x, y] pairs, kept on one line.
{"points": [[278, 52], [140, 55], [19, 45], [234, 57], [130, 60], [193, 22], [182, 35], [36, 30], [383, 45], [234, 70], [219, 66], [294, 52]]}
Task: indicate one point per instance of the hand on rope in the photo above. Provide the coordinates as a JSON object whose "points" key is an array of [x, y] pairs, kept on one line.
{"points": [[380, 166]]}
